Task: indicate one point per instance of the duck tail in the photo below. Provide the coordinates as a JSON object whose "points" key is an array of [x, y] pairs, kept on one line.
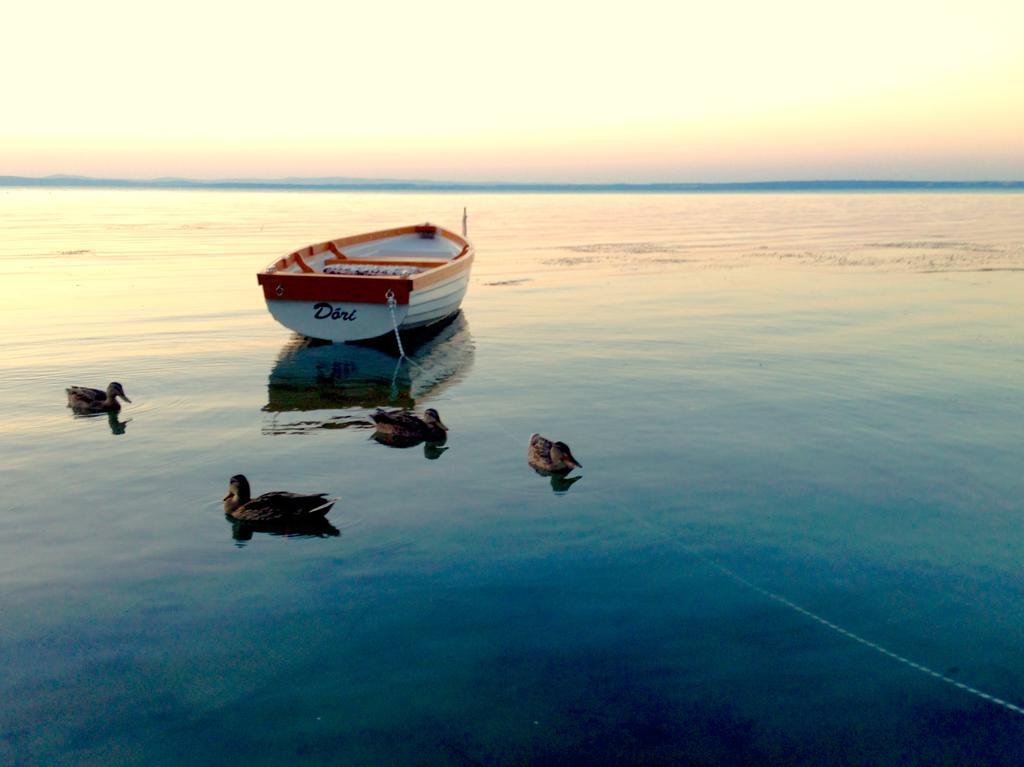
{"points": [[384, 418]]}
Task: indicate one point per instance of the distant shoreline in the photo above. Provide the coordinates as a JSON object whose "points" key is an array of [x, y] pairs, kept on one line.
{"points": [[368, 185]]}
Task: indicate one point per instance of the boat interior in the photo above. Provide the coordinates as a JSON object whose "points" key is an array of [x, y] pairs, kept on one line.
{"points": [[396, 252]]}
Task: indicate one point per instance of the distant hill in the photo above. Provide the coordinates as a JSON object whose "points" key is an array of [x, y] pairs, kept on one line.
{"points": [[335, 183]]}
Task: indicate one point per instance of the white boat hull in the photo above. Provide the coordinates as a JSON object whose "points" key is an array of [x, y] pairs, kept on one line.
{"points": [[342, 321]]}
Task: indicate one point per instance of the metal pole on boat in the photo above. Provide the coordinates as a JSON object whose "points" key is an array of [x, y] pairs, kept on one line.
{"points": [[465, 223]]}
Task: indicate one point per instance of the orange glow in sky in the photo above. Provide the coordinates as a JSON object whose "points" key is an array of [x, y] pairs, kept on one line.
{"points": [[532, 91]]}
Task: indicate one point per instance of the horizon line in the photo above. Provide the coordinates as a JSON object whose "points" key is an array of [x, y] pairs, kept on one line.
{"points": [[341, 183]]}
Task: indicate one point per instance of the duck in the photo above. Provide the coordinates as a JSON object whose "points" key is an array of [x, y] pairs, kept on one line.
{"points": [[405, 425], [275, 506], [550, 457], [86, 400]]}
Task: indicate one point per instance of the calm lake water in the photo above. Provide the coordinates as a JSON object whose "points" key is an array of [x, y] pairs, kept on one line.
{"points": [[796, 538]]}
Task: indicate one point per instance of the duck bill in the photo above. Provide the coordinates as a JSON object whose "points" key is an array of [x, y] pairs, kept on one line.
{"points": [[573, 462], [125, 398], [226, 497], [438, 422]]}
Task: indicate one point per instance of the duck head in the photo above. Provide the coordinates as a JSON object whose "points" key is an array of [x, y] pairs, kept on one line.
{"points": [[115, 390], [560, 452], [238, 491], [431, 418]]}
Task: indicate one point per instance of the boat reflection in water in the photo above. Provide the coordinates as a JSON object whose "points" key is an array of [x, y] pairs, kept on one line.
{"points": [[315, 376], [242, 531]]}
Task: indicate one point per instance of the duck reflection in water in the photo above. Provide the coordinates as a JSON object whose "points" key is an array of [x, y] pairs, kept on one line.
{"points": [[554, 460], [117, 426], [561, 484], [243, 531]]}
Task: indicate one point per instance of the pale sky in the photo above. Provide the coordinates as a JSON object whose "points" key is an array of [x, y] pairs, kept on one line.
{"points": [[525, 91]]}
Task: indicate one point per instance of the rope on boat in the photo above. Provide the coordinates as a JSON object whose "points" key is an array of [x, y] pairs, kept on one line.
{"points": [[392, 303]]}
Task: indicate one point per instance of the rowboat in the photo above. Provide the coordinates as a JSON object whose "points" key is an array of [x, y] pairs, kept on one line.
{"points": [[368, 285]]}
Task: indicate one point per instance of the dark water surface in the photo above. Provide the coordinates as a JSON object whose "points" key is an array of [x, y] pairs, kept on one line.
{"points": [[781, 402]]}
